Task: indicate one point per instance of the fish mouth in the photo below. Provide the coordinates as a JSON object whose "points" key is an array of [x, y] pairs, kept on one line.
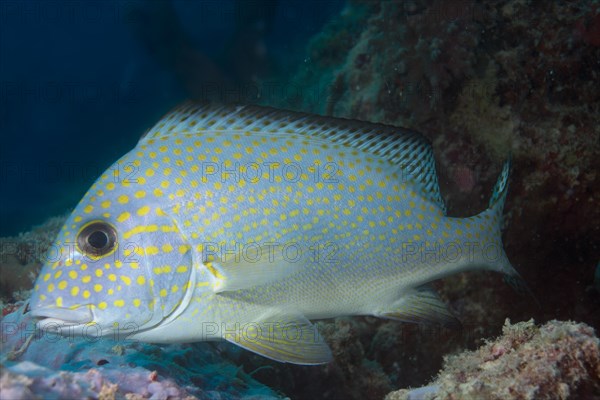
{"points": [[55, 317]]}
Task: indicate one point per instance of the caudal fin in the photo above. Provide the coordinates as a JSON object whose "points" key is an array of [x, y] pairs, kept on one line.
{"points": [[501, 188]]}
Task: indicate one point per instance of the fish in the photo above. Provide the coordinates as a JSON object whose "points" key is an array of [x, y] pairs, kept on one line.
{"points": [[245, 223]]}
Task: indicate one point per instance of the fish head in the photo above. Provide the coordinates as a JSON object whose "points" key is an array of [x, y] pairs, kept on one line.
{"points": [[119, 264]]}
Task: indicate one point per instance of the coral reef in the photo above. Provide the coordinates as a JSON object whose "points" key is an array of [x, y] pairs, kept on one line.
{"points": [[395, 70], [558, 360]]}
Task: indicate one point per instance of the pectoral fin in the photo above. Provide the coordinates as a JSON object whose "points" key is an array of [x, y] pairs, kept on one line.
{"points": [[239, 272], [421, 305], [284, 338]]}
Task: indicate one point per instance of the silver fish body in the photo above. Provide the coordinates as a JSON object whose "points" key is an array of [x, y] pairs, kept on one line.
{"points": [[244, 223]]}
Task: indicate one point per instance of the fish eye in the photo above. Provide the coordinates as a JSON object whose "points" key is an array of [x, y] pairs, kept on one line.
{"points": [[97, 238]]}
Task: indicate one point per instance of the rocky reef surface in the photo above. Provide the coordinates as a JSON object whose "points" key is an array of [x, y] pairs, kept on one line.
{"points": [[559, 360]]}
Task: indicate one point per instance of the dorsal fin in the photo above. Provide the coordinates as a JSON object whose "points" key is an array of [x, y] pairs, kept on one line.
{"points": [[407, 149]]}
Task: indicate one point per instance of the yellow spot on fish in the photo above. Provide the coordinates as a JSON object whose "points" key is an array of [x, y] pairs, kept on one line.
{"points": [[102, 305], [123, 199], [97, 287], [123, 216], [74, 291], [119, 303], [143, 211], [182, 269]]}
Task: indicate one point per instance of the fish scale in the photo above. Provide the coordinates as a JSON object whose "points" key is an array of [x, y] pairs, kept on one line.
{"points": [[244, 222]]}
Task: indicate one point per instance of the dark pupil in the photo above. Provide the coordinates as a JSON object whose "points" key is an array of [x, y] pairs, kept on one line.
{"points": [[98, 239]]}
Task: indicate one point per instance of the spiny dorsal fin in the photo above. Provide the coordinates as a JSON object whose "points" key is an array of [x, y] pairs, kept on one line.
{"points": [[407, 149]]}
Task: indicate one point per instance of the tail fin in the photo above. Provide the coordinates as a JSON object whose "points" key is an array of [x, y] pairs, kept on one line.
{"points": [[501, 188], [489, 224]]}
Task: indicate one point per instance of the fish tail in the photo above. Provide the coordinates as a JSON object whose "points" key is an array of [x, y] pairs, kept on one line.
{"points": [[489, 224], [501, 188]]}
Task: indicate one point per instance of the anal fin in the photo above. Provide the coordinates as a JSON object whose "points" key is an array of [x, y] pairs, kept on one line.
{"points": [[284, 338], [418, 306]]}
